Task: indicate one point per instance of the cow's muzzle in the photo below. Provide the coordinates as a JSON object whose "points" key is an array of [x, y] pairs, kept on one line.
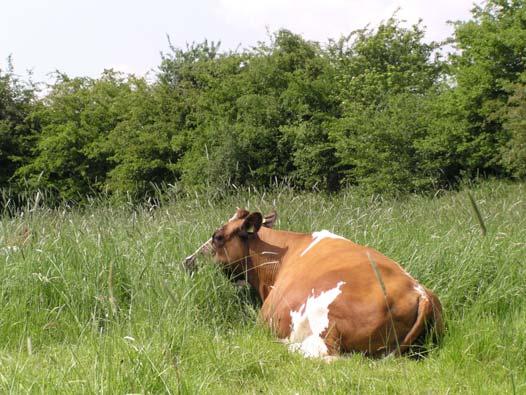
{"points": [[189, 262]]}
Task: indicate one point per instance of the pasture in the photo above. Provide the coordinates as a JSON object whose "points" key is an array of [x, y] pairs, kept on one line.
{"points": [[94, 300]]}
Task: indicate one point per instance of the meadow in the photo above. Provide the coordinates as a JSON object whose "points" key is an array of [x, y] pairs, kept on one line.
{"points": [[94, 299]]}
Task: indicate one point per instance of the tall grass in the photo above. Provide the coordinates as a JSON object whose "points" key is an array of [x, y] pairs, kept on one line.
{"points": [[94, 300]]}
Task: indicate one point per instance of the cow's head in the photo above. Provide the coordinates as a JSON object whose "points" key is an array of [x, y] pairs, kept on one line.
{"points": [[229, 243]]}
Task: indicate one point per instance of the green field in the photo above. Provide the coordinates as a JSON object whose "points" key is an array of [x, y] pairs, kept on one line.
{"points": [[95, 300]]}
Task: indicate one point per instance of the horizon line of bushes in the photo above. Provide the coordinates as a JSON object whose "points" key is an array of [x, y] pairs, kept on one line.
{"points": [[379, 108]]}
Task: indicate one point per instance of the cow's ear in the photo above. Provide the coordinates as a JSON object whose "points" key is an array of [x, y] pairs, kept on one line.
{"points": [[270, 219], [251, 224]]}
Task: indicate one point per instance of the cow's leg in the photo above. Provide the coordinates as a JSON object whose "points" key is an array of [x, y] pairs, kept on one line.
{"points": [[332, 339]]}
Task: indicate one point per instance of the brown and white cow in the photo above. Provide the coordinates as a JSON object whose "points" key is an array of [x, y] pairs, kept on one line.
{"points": [[324, 294]]}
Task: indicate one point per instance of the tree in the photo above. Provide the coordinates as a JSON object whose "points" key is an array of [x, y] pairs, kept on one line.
{"points": [[245, 113], [514, 152], [18, 129], [139, 147], [372, 64], [76, 117], [492, 56], [389, 89]]}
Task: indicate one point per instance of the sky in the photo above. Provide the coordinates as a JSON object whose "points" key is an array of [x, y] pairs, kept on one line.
{"points": [[82, 38]]}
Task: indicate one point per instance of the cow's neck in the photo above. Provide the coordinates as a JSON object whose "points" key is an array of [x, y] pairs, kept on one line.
{"points": [[266, 254]]}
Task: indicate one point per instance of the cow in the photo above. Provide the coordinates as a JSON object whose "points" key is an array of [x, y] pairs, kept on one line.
{"points": [[323, 294]]}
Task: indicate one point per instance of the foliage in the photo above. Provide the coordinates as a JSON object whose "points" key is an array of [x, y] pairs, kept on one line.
{"points": [[402, 146], [492, 56], [139, 147], [379, 109], [75, 116], [18, 128], [374, 64], [243, 119], [514, 152], [390, 136]]}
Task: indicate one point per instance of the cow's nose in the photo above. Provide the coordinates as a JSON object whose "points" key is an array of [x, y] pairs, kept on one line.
{"points": [[189, 263]]}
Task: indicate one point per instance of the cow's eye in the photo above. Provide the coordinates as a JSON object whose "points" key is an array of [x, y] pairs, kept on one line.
{"points": [[219, 238]]}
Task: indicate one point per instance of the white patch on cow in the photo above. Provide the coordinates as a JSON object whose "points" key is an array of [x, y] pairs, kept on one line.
{"points": [[421, 291], [310, 321], [319, 236]]}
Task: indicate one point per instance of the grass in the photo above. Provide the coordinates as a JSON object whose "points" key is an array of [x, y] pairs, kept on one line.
{"points": [[95, 300]]}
